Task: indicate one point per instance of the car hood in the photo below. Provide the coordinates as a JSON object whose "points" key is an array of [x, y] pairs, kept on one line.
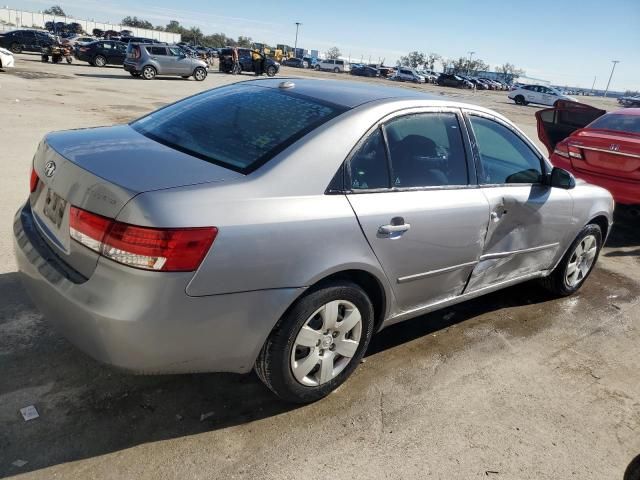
{"points": [[132, 161]]}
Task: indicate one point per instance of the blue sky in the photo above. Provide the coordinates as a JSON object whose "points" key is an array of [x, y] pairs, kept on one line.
{"points": [[568, 42]]}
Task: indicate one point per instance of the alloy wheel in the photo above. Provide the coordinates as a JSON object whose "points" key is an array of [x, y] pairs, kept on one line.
{"points": [[326, 343], [581, 260], [100, 61]]}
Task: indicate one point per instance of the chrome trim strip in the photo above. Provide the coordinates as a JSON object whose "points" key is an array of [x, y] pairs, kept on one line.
{"points": [[494, 256], [613, 152], [418, 276]]}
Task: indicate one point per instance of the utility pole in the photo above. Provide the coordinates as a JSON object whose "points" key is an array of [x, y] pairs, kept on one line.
{"points": [[295, 45], [615, 62], [469, 66]]}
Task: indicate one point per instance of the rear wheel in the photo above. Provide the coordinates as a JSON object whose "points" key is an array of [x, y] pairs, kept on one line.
{"points": [[148, 72], [336, 70], [99, 61], [318, 343], [577, 263], [16, 47], [199, 74], [271, 71]]}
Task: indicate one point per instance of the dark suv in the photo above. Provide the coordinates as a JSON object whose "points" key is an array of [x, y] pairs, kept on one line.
{"points": [[449, 80], [269, 65], [25, 40], [102, 52]]}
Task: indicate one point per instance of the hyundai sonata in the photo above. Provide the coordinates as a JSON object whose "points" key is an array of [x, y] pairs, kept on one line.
{"points": [[277, 225]]}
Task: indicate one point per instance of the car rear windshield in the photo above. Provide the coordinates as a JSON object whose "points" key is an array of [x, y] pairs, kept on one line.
{"points": [[239, 127], [618, 122]]}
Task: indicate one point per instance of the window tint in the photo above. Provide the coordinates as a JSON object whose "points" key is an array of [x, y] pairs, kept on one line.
{"points": [[368, 166], [157, 50], [618, 122], [426, 150], [340, 62], [239, 126], [504, 157]]}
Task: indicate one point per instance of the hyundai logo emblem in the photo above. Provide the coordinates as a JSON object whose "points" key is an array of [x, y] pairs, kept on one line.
{"points": [[50, 168]]}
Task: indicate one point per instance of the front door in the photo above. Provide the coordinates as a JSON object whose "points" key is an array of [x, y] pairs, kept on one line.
{"points": [[414, 199], [528, 219]]}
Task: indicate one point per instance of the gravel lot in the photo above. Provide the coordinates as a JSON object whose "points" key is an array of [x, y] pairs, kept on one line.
{"points": [[513, 385]]}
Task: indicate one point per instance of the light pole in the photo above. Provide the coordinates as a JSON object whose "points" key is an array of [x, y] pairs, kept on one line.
{"points": [[615, 62], [469, 66], [295, 45]]}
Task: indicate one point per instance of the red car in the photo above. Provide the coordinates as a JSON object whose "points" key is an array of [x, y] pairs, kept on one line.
{"points": [[599, 147]]}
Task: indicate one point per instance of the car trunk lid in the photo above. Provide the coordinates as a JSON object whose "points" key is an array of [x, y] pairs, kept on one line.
{"points": [[100, 170], [609, 153], [557, 123]]}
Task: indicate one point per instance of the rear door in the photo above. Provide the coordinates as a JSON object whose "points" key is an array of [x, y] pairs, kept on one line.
{"points": [[412, 191], [29, 42], [528, 220], [160, 55], [557, 123]]}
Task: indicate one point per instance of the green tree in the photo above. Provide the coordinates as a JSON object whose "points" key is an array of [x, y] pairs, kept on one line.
{"points": [[55, 10], [136, 22], [432, 58], [413, 59], [174, 27], [333, 53], [244, 42]]}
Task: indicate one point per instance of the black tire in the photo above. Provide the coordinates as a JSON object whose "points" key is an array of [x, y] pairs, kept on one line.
{"points": [[199, 74], [519, 100], [99, 61], [556, 282], [271, 71], [273, 364], [15, 48], [317, 67], [44, 58], [148, 72]]}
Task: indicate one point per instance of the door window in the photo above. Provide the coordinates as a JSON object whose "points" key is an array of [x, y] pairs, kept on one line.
{"points": [[504, 157], [175, 51], [426, 150], [157, 50], [368, 167]]}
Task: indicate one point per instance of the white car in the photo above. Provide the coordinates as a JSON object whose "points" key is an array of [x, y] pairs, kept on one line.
{"points": [[406, 74], [6, 59], [336, 66], [79, 40], [540, 94]]}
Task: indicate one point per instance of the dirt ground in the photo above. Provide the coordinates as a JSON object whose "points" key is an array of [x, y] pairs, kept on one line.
{"points": [[514, 385]]}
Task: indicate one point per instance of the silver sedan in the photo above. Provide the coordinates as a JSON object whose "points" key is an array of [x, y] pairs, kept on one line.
{"points": [[277, 225]]}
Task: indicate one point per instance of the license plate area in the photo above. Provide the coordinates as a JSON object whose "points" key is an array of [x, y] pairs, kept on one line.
{"points": [[54, 208]]}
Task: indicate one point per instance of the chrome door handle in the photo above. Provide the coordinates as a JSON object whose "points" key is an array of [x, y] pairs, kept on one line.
{"points": [[394, 228]]}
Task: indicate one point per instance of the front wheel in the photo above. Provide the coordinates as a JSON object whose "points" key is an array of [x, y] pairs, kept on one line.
{"points": [[199, 74], [318, 343], [271, 71], [577, 263], [15, 48], [519, 100], [148, 72], [336, 70]]}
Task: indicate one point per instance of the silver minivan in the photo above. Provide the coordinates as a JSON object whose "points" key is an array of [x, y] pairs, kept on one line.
{"points": [[149, 60]]}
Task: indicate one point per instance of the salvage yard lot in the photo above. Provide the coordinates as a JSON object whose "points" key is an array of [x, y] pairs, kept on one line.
{"points": [[512, 385]]}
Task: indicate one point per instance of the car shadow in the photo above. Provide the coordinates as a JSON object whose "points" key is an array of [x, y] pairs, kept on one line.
{"points": [[625, 232], [127, 77], [87, 409]]}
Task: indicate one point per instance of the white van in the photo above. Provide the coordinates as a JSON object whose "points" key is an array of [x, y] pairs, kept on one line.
{"points": [[336, 66], [405, 74]]}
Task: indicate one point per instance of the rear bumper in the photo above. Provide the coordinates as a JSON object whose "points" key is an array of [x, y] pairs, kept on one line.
{"points": [[144, 321], [623, 192]]}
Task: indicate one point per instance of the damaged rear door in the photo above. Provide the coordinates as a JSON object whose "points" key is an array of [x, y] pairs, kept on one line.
{"points": [[557, 123]]}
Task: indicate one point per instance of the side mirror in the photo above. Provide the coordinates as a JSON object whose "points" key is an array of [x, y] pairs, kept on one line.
{"points": [[560, 178]]}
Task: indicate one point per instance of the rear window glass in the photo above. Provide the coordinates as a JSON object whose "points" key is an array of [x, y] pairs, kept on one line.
{"points": [[618, 122], [240, 127]]}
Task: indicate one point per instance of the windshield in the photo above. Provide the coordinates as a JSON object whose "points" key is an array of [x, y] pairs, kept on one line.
{"points": [[240, 127], [618, 122]]}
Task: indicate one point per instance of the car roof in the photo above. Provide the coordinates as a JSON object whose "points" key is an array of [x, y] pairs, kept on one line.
{"points": [[345, 93], [626, 111]]}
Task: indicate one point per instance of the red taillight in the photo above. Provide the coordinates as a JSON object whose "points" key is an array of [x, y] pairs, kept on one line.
{"points": [[33, 181], [561, 149], [170, 249], [575, 152]]}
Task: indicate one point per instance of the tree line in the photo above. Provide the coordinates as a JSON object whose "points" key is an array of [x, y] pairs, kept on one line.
{"points": [[461, 65]]}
